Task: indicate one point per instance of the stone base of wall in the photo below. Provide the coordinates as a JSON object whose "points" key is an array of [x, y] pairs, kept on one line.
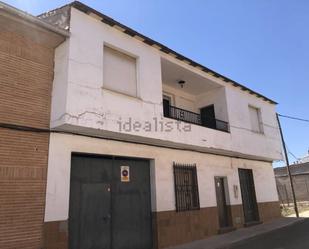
{"points": [[269, 211], [175, 228], [56, 235], [172, 228]]}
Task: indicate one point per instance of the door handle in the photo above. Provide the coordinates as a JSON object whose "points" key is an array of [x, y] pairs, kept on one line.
{"points": [[106, 218]]}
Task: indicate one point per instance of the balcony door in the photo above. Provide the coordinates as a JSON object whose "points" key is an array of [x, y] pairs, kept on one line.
{"points": [[208, 117], [166, 106]]}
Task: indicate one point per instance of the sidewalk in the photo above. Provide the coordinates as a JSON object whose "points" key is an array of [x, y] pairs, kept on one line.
{"points": [[304, 214], [225, 240]]}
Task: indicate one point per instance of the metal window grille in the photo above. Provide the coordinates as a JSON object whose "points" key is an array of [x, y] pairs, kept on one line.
{"points": [[186, 187]]}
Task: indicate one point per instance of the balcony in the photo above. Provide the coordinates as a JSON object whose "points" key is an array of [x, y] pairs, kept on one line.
{"points": [[194, 118], [193, 98]]}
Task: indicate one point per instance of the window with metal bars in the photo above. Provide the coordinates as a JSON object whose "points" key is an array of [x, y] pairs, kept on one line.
{"points": [[186, 187]]}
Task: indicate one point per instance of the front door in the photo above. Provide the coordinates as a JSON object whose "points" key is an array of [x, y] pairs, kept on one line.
{"points": [[208, 117], [248, 195], [221, 202], [107, 212]]}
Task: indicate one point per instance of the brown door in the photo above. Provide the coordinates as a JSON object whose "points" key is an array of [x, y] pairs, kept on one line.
{"points": [[221, 202], [248, 196]]}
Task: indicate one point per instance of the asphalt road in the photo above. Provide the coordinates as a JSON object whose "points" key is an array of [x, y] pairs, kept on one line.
{"points": [[292, 237]]}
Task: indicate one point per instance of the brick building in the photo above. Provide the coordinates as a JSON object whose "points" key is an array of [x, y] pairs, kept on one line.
{"points": [[26, 74]]}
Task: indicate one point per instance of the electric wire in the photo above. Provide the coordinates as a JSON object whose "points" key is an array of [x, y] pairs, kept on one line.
{"points": [[293, 155], [295, 118]]}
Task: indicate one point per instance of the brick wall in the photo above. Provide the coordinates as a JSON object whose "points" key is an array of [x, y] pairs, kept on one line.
{"points": [[301, 187], [26, 72]]}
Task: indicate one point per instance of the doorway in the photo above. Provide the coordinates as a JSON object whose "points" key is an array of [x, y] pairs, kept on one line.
{"points": [[167, 101], [109, 207], [222, 202], [248, 195], [208, 117]]}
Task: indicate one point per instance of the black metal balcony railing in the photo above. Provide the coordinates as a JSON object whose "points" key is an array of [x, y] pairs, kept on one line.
{"points": [[195, 118]]}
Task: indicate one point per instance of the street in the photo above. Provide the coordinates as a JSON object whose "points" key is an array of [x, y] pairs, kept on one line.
{"points": [[292, 237]]}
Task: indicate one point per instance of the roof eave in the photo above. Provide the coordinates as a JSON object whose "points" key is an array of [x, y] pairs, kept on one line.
{"points": [[107, 20], [32, 19]]}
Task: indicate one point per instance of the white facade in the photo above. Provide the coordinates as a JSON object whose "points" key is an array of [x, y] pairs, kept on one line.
{"points": [[81, 104], [162, 184]]}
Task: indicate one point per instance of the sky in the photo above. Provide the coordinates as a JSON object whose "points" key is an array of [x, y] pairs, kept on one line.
{"points": [[263, 44]]}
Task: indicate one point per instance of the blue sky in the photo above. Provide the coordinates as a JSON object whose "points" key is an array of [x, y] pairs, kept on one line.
{"points": [[263, 44]]}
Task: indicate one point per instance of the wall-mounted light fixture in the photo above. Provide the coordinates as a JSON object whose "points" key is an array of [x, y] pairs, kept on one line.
{"points": [[181, 83]]}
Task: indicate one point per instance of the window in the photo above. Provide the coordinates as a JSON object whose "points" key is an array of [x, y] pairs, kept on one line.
{"points": [[186, 187], [119, 72], [255, 118]]}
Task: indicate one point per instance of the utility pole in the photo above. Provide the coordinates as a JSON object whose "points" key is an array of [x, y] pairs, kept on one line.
{"points": [[288, 167]]}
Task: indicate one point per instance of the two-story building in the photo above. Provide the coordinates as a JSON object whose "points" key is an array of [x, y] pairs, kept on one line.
{"points": [[26, 76], [148, 148]]}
